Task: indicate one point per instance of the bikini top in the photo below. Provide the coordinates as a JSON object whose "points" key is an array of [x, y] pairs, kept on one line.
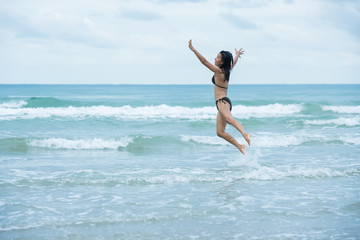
{"points": [[213, 81]]}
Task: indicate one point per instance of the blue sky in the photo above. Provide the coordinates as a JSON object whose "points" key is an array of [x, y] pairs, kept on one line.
{"points": [[146, 42]]}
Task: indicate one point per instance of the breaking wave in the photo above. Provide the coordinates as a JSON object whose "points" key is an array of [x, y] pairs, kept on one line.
{"points": [[155, 143], [80, 144], [348, 122], [269, 140], [13, 104], [147, 112], [342, 109], [178, 176]]}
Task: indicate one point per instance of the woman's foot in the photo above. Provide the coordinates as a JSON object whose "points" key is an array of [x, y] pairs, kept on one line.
{"points": [[242, 149], [247, 138]]}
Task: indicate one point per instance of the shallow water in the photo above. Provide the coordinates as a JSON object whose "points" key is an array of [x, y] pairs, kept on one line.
{"points": [[144, 162]]}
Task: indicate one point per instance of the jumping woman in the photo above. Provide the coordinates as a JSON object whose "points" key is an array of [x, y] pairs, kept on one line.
{"points": [[223, 65]]}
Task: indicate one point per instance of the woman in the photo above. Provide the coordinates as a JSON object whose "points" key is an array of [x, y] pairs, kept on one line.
{"points": [[223, 64]]}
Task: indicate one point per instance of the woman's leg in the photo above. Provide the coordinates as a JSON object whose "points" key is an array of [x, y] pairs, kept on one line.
{"points": [[224, 110], [220, 130]]}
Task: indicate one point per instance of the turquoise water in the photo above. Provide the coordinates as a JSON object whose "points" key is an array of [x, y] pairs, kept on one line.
{"points": [[144, 162]]}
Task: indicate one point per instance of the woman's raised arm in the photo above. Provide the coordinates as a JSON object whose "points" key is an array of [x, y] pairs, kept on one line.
{"points": [[203, 60]]}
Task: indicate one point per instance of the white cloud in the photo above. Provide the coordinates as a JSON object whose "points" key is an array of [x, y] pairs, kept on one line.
{"points": [[146, 41]]}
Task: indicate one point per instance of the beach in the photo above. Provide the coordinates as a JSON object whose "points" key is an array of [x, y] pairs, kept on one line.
{"points": [[144, 162]]}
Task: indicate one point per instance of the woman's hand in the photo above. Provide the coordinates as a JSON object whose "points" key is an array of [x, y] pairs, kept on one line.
{"points": [[237, 55], [203, 60], [240, 52], [191, 46]]}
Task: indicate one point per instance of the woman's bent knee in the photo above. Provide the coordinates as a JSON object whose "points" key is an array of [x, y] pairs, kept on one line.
{"points": [[220, 134], [229, 120]]}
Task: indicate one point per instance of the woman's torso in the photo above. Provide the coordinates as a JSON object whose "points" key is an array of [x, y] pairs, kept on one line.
{"points": [[220, 86]]}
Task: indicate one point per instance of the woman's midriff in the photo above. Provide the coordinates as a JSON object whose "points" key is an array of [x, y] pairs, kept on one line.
{"points": [[219, 93]]}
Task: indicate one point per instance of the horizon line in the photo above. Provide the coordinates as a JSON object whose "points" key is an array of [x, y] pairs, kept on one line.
{"points": [[175, 84]]}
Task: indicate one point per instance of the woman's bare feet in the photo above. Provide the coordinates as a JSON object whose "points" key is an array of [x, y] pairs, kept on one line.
{"points": [[247, 138], [242, 149]]}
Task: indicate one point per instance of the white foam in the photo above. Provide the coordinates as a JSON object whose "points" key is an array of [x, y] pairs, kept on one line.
{"points": [[255, 172], [250, 160], [13, 104], [342, 109], [265, 111], [349, 122], [249, 172], [270, 140], [209, 140], [353, 140], [264, 173], [125, 112], [148, 112], [80, 144]]}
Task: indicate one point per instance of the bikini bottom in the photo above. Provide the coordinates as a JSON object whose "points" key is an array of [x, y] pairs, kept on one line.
{"points": [[223, 100]]}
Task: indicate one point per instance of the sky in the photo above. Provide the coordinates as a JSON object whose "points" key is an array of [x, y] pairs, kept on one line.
{"points": [[146, 41]]}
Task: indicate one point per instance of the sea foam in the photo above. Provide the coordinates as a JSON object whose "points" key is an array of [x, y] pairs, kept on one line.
{"points": [[265, 173], [262, 140], [349, 122], [248, 171], [265, 111], [257, 141], [271, 140], [148, 112], [80, 144], [13, 104], [342, 109]]}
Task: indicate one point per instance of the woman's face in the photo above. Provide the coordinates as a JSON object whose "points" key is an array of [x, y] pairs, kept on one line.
{"points": [[218, 60]]}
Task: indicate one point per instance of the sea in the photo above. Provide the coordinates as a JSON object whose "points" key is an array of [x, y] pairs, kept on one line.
{"points": [[144, 162]]}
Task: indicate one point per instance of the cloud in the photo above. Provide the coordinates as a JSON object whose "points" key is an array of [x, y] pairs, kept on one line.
{"points": [[141, 15], [247, 3], [181, 1], [239, 22], [52, 24], [345, 15], [18, 24], [135, 40]]}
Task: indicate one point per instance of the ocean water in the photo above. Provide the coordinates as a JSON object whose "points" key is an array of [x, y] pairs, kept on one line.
{"points": [[144, 162]]}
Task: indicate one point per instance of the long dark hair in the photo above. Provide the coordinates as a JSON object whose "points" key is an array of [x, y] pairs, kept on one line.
{"points": [[227, 59]]}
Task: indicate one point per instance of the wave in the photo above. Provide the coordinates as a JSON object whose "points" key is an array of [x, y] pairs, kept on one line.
{"points": [[24, 144], [264, 173], [37, 102], [13, 144], [13, 104], [148, 112], [80, 144], [342, 109], [348, 122], [135, 143], [352, 140], [209, 140], [257, 141], [266, 111], [176, 176], [142, 143], [269, 140]]}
